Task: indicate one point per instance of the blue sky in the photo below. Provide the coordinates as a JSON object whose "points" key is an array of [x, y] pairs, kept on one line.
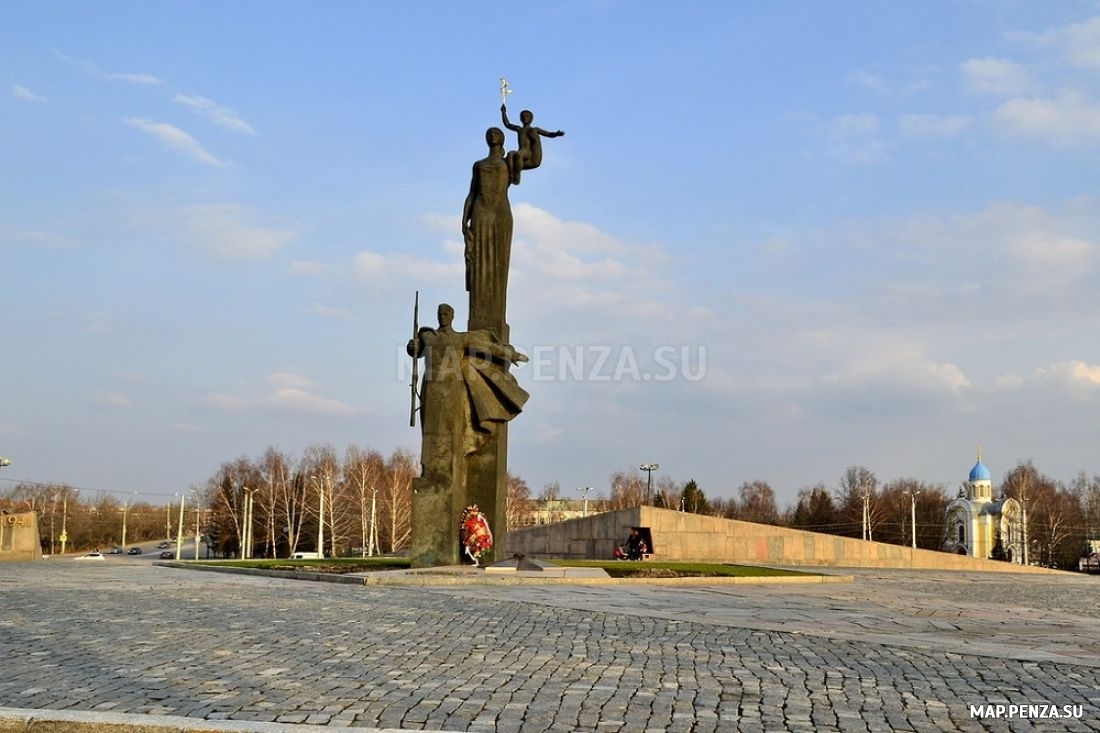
{"points": [[862, 233]]}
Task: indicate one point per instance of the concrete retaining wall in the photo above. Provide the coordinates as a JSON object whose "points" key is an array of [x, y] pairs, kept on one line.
{"points": [[683, 536]]}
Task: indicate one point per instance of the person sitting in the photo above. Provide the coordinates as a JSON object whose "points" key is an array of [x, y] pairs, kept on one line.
{"points": [[635, 546]]}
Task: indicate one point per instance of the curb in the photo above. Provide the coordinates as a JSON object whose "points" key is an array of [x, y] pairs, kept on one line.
{"points": [[429, 578], [19, 720]]}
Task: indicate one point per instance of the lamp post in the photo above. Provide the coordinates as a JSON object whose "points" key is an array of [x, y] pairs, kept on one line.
{"points": [[246, 528], [866, 514], [198, 520], [1024, 502], [649, 468], [125, 506], [64, 521], [179, 530], [320, 520], [913, 515], [584, 492]]}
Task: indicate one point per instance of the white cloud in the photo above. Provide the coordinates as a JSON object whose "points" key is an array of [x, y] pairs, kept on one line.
{"points": [[880, 85], [44, 239], [289, 392], [1067, 119], [1009, 381], [139, 78], [112, 400], [216, 113], [325, 311], [854, 125], [390, 270], [298, 400], [1074, 378], [310, 269], [288, 379], [1068, 256], [227, 402], [174, 138], [864, 354], [854, 138], [1074, 373], [565, 250], [996, 76], [1007, 248], [1078, 43], [867, 80], [1082, 43], [227, 232], [21, 92], [932, 126]]}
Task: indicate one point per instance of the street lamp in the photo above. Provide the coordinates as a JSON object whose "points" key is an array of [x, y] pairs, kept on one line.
{"points": [[649, 468], [320, 519], [246, 529], [125, 508], [179, 530], [584, 492], [913, 514], [866, 513], [1023, 500]]}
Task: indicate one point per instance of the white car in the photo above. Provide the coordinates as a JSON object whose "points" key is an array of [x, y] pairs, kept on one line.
{"points": [[91, 556]]}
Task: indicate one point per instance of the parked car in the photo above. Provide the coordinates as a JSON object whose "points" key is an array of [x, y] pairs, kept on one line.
{"points": [[91, 556], [134, 551], [116, 550], [167, 555]]}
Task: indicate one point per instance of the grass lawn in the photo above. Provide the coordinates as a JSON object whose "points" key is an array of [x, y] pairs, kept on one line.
{"points": [[336, 565], [614, 568]]}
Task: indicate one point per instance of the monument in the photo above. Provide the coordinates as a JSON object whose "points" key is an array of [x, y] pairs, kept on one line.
{"points": [[467, 395]]}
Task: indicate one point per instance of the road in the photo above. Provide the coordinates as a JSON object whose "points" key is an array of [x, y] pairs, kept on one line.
{"points": [[889, 651]]}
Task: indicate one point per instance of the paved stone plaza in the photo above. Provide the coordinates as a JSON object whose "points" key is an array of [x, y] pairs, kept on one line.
{"points": [[889, 651]]}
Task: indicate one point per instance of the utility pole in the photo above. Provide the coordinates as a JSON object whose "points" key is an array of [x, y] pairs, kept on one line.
{"points": [[179, 532], [584, 492], [913, 508], [649, 468], [321, 519]]}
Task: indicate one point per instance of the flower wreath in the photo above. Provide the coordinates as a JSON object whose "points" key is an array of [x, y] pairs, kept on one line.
{"points": [[474, 533]]}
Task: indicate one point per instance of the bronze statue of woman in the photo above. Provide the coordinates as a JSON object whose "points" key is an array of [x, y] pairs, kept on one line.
{"points": [[487, 231]]}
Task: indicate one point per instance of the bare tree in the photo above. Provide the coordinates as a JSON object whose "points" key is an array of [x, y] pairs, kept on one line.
{"points": [[1051, 514], [364, 471], [401, 469], [667, 493], [757, 503], [227, 491], [268, 500], [627, 489], [518, 498], [858, 506], [550, 492]]}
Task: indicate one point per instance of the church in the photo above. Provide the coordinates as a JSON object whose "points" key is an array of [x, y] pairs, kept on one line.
{"points": [[976, 521]]}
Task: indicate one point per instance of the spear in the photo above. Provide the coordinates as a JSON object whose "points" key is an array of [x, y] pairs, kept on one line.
{"points": [[416, 361]]}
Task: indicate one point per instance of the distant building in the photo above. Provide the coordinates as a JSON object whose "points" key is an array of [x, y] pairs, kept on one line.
{"points": [[550, 511], [975, 520]]}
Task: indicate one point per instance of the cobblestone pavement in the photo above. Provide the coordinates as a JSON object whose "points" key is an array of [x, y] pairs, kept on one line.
{"points": [[890, 651]]}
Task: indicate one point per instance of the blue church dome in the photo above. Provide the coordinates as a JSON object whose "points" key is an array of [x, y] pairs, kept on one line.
{"points": [[980, 472]]}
